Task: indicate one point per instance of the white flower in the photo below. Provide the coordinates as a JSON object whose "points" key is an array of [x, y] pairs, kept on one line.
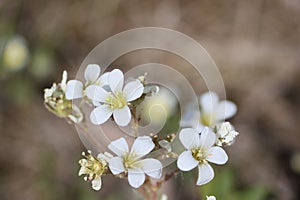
{"points": [[131, 163], [200, 151], [210, 198], [212, 112], [94, 168], [56, 102], [116, 101], [75, 89], [226, 134], [157, 108]]}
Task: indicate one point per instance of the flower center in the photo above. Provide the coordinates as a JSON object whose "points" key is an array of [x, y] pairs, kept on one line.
{"points": [[98, 168], [130, 161], [116, 101], [93, 166], [206, 119], [199, 155]]}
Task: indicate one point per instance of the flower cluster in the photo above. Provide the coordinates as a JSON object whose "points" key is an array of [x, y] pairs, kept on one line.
{"points": [[212, 114], [202, 138]]}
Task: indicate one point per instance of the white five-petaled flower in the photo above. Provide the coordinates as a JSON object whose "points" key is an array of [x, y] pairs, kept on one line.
{"points": [[226, 134], [116, 101], [75, 89], [200, 151], [131, 163], [212, 112]]}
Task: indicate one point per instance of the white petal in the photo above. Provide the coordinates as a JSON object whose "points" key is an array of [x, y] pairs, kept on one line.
{"points": [[198, 127], [208, 101], [142, 146], [97, 183], [207, 138], [100, 114], [224, 110], [152, 167], [217, 155], [63, 83], [83, 169], [122, 116], [96, 103], [104, 157], [133, 90], [189, 138], [74, 89], [119, 146], [116, 165], [116, 80], [206, 174], [136, 177], [104, 79], [92, 72], [96, 93], [186, 161]]}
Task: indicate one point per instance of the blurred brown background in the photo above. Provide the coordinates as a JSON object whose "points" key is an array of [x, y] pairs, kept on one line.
{"points": [[255, 44]]}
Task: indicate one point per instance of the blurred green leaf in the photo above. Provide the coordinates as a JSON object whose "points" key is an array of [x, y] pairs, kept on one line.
{"points": [[224, 187], [254, 193], [19, 90], [42, 64]]}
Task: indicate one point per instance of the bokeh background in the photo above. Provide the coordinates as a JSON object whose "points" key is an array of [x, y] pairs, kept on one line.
{"points": [[255, 44]]}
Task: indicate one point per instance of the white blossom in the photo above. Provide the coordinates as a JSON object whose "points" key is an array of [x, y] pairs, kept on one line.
{"points": [[131, 163], [94, 168], [210, 198], [225, 134], [76, 89], [200, 151], [114, 102], [56, 102], [212, 112]]}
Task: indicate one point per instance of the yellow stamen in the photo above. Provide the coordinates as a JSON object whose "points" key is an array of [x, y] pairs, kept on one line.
{"points": [[116, 101], [130, 161], [199, 154]]}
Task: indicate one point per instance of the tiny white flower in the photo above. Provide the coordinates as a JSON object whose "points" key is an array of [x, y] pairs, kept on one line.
{"points": [[56, 102], [212, 112], [225, 134], [94, 168], [75, 89], [116, 101], [131, 163], [200, 151], [210, 198]]}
